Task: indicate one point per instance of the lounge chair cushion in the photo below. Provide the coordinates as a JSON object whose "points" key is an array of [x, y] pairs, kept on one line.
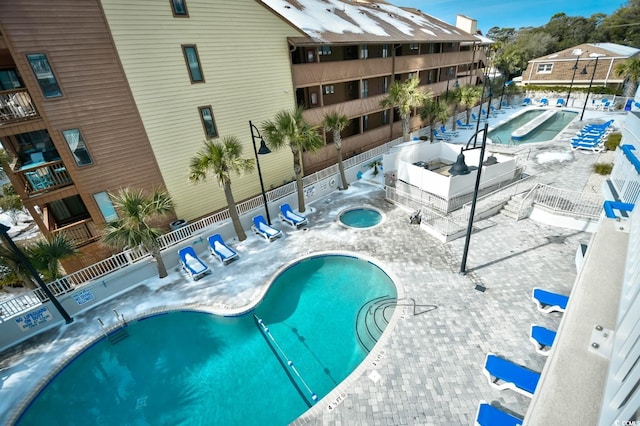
{"points": [[488, 415], [509, 375]]}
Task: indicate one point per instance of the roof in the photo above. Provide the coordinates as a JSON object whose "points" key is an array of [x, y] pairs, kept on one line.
{"points": [[344, 21], [610, 50]]}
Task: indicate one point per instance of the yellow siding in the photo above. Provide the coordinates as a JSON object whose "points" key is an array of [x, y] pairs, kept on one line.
{"points": [[244, 55]]}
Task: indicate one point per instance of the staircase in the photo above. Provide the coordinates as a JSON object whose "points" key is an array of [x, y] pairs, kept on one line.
{"points": [[512, 208], [372, 319]]}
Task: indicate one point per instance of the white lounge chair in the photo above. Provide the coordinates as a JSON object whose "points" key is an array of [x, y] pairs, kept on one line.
{"points": [[291, 217], [221, 250], [262, 228], [191, 263]]}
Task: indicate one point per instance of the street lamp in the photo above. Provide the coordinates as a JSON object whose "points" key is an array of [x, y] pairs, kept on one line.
{"points": [[263, 150], [22, 259], [584, 72], [475, 136], [575, 68], [465, 251]]}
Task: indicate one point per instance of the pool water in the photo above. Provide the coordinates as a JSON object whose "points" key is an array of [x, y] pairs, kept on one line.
{"points": [[360, 217], [545, 132], [187, 367]]}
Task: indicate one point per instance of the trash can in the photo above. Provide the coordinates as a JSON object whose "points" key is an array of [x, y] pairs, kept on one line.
{"points": [[177, 224]]}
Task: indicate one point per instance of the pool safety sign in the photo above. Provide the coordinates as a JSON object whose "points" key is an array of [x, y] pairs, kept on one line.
{"points": [[34, 318], [83, 297]]}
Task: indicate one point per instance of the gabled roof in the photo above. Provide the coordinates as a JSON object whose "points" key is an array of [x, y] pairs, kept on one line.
{"points": [[359, 21], [604, 50]]}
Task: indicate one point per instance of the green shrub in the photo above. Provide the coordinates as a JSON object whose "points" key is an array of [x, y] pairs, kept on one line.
{"points": [[603, 168], [613, 141]]}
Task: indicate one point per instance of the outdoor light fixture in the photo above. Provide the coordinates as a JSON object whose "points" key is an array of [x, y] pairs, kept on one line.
{"points": [[459, 167], [4, 231], [264, 149], [584, 72], [463, 264]]}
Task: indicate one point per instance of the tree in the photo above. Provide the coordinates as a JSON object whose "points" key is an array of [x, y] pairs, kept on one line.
{"points": [[469, 97], [335, 122], [452, 99], [630, 70], [221, 159], [288, 128], [12, 270], [10, 203], [433, 111], [45, 255], [136, 210], [404, 96]]}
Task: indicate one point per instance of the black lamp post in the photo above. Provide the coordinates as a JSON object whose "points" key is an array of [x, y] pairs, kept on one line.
{"points": [[490, 98], [475, 136], [584, 72], [465, 251], [575, 67], [504, 85], [263, 150], [21, 257]]}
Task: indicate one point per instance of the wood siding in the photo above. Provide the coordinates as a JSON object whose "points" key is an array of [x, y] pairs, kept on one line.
{"points": [[96, 97], [245, 62]]}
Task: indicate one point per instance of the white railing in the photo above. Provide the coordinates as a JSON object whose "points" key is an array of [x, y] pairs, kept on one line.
{"points": [[567, 202], [625, 177]]}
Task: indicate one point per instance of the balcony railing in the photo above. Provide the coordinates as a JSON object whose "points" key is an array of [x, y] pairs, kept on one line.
{"points": [[16, 105], [79, 233], [43, 177]]}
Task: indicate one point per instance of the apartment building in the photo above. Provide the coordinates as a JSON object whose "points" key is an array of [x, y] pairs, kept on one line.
{"points": [[105, 94]]}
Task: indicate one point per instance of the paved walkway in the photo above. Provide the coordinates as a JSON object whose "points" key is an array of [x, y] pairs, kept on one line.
{"points": [[427, 368]]}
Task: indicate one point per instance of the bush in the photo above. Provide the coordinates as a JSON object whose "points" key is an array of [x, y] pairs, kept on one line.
{"points": [[613, 141], [603, 168]]}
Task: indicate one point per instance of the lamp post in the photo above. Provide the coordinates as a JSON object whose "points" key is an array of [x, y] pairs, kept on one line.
{"points": [[465, 251], [490, 97], [263, 150], [23, 260], [475, 136], [584, 71], [504, 85], [575, 67]]}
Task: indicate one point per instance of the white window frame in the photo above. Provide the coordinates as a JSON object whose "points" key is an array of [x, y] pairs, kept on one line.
{"points": [[544, 68], [329, 89]]}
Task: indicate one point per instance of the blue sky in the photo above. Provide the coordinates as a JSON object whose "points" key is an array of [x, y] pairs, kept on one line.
{"points": [[509, 13]]}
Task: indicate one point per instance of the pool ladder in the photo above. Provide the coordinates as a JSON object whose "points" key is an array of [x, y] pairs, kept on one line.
{"points": [[119, 333]]}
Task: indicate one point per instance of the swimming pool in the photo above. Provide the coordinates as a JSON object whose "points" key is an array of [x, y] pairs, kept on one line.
{"points": [[360, 217], [189, 367], [546, 132]]}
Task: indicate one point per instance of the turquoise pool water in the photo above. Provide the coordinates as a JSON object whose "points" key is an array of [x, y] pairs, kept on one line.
{"points": [[194, 368], [360, 217], [547, 131]]}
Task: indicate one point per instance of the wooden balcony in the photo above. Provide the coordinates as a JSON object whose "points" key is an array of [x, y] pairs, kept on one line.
{"points": [[43, 177], [79, 233], [15, 106]]}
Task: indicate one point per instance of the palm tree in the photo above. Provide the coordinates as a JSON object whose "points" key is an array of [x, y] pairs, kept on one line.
{"points": [[12, 269], [404, 96], [221, 159], [289, 128], [433, 111], [133, 228], [46, 255], [469, 97], [452, 99], [630, 69], [336, 123]]}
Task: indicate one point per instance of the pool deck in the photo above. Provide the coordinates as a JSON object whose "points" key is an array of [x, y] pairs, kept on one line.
{"points": [[427, 368]]}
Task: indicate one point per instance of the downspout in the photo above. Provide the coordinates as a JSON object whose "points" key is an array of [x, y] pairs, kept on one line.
{"points": [[606, 78], [472, 71]]}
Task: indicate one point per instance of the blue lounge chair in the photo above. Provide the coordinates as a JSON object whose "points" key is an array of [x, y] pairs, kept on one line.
{"points": [[560, 102], [221, 250], [526, 102], [192, 264], [484, 114], [488, 415], [548, 301], [542, 338], [505, 105], [586, 146], [543, 102], [463, 125], [475, 117], [446, 132], [262, 228], [439, 136], [494, 110], [504, 374], [292, 218]]}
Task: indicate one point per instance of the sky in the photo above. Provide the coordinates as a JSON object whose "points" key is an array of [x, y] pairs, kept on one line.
{"points": [[510, 13]]}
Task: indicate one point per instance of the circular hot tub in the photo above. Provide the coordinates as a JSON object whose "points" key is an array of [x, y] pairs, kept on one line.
{"points": [[360, 217]]}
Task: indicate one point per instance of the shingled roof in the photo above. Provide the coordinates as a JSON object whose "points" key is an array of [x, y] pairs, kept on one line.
{"points": [[359, 21]]}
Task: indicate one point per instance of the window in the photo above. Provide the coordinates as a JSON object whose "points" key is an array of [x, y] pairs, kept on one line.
{"points": [[365, 122], [324, 50], [9, 79], [328, 89], [47, 81], [77, 146], [364, 51], [209, 124], [413, 46], [385, 116], [385, 84], [193, 63], [544, 68], [106, 206], [68, 210], [385, 50], [365, 88], [179, 8]]}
